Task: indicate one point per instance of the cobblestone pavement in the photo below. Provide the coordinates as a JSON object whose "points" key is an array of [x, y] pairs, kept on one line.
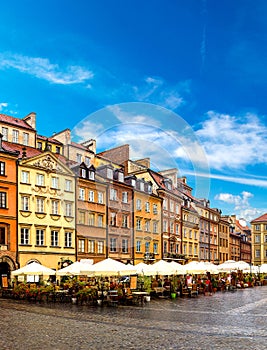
{"points": [[229, 320]]}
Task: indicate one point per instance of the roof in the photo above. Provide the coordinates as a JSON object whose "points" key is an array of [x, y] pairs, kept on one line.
{"points": [[30, 151], [261, 218], [15, 121], [50, 139]]}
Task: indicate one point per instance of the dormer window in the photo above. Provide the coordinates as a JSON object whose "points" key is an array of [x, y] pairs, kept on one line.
{"points": [[109, 173], [91, 175], [142, 186], [149, 188], [121, 176], [133, 182], [83, 173]]}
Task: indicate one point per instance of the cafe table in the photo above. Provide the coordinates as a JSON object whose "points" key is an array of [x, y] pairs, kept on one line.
{"points": [[139, 297]]}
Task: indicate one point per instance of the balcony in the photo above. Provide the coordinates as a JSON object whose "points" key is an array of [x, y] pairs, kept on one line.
{"points": [[149, 257]]}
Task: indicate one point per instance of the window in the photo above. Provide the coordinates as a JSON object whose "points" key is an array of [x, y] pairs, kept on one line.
{"points": [[2, 235], [265, 227], [25, 203], [257, 227], [24, 236], [147, 207], [39, 145], [3, 203], [109, 173], [164, 226], [138, 224], [138, 246], [147, 225], [87, 161], [40, 205], [176, 209], [124, 246], [5, 134], [195, 235], [125, 197], [25, 140], [55, 207], [155, 209], [25, 177], [171, 227], [149, 188], [120, 177], [40, 180], [177, 229], [2, 168], [165, 247], [82, 194], [100, 197], [171, 206], [155, 248], [100, 221], [257, 238], [68, 239], [82, 217], [184, 248], [113, 194], [155, 227], [142, 186], [54, 238], [91, 246], [185, 233], [91, 175], [195, 250], [78, 158], [68, 209], [190, 234], [39, 237], [257, 253], [91, 196], [165, 204], [91, 219], [100, 247], [55, 182], [177, 248], [15, 136], [113, 244], [57, 149], [147, 247], [138, 204], [81, 246], [265, 238], [83, 173], [113, 219], [125, 221], [68, 185]]}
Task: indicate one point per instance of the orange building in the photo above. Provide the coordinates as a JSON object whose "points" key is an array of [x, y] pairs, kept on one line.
{"points": [[8, 212]]}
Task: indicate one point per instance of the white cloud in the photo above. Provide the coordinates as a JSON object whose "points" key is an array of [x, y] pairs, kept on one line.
{"points": [[156, 90], [42, 68], [3, 105], [241, 204], [233, 142]]}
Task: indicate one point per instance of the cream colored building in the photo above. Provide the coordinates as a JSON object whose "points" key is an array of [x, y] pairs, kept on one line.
{"points": [[46, 210]]}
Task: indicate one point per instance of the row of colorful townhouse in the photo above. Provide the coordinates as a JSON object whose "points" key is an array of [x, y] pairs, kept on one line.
{"points": [[62, 202]]}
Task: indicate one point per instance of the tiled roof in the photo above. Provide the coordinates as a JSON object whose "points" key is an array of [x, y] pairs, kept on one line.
{"points": [[15, 121], [50, 139], [261, 218], [30, 151]]}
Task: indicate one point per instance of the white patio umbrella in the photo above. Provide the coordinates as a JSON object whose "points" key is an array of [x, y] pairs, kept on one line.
{"points": [[262, 268], [212, 268], [34, 269], [196, 267], [111, 267], [144, 269], [178, 268], [78, 268], [227, 266], [162, 268]]}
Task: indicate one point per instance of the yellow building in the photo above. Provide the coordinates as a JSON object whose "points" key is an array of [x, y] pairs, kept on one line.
{"points": [[147, 222], [46, 209], [259, 240]]}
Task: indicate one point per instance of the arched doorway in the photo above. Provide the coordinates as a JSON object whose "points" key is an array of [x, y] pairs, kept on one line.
{"points": [[6, 266]]}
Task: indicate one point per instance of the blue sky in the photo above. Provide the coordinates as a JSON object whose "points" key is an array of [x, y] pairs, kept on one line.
{"points": [[183, 82]]}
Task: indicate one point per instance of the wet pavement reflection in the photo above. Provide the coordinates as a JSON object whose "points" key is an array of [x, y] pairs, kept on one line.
{"points": [[225, 320]]}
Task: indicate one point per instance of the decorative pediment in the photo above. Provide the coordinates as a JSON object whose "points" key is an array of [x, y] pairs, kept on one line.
{"points": [[46, 163]]}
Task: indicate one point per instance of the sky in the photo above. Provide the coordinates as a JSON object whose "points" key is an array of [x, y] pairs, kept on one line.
{"points": [[184, 82]]}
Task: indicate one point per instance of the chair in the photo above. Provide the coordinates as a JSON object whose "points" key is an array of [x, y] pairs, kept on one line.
{"points": [[112, 298], [194, 290]]}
